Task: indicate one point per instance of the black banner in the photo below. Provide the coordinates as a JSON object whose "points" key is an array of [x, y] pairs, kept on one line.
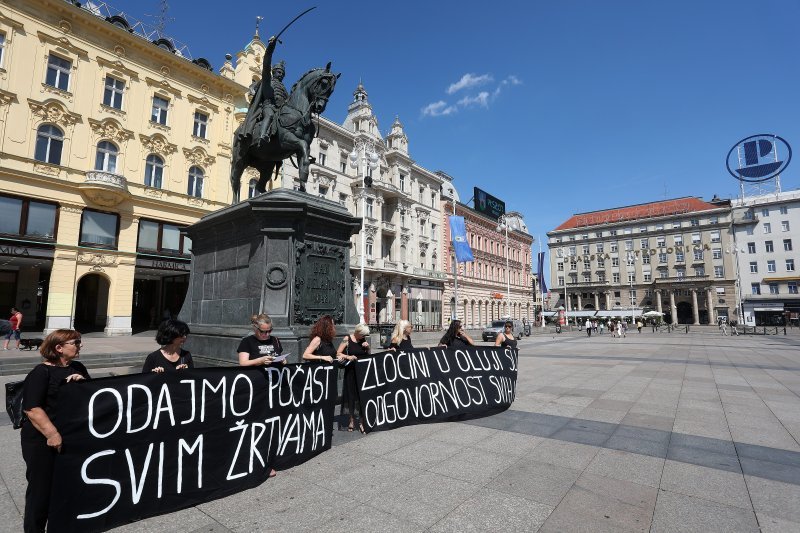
{"points": [[400, 389], [147, 444]]}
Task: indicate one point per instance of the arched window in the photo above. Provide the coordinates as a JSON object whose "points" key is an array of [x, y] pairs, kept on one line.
{"points": [[49, 143], [251, 187], [433, 261], [106, 159], [196, 178], [153, 171], [422, 259]]}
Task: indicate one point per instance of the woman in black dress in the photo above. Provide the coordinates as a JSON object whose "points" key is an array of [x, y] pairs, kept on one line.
{"points": [[401, 337], [352, 347], [506, 338], [455, 337], [321, 347], [41, 441], [261, 347], [171, 356]]}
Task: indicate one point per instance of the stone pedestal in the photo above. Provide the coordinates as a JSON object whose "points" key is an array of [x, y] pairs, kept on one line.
{"points": [[285, 253]]}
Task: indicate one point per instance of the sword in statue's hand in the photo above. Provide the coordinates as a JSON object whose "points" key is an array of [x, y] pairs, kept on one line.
{"points": [[277, 37]]}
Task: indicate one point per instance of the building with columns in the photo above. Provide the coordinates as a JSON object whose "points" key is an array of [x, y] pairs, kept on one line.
{"points": [[486, 289], [673, 256], [112, 140], [401, 210], [766, 229]]}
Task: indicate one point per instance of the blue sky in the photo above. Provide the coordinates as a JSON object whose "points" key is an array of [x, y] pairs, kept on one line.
{"points": [[554, 107]]}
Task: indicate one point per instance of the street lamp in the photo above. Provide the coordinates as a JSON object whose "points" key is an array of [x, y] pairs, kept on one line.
{"points": [[362, 157], [631, 261], [568, 255], [502, 225]]}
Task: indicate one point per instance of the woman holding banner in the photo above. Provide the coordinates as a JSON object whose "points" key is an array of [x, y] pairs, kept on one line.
{"points": [[171, 356], [261, 347], [41, 441], [506, 338], [401, 337], [321, 347], [352, 347], [455, 337]]}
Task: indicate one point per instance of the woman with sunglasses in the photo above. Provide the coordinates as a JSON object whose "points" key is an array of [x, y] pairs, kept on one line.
{"points": [[456, 337], [261, 347], [171, 356], [352, 347], [506, 338], [41, 441]]}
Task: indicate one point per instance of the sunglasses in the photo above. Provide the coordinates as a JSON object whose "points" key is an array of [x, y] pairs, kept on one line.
{"points": [[264, 331]]}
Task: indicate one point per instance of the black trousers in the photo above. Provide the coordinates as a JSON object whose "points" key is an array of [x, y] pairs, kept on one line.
{"points": [[350, 392], [39, 461]]}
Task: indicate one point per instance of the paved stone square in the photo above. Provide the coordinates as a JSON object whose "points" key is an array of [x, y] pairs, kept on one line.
{"points": [[654, 432]]}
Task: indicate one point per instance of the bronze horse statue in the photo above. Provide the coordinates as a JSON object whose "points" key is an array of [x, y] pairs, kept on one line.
{"points": [[293, 136]]}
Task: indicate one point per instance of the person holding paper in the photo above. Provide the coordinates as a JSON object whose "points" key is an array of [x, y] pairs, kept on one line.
{"points": [[352, 347], [321, 347], [171, 356], [261, 347], [455, 337], [401, 337], [41, 441]]}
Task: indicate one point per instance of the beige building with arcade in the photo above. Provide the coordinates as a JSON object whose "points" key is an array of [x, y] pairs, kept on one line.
{"points": [[111, 140]]}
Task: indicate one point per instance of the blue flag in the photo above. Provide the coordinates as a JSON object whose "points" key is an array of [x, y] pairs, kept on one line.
{"points": [[458, 234], [542, 284]]}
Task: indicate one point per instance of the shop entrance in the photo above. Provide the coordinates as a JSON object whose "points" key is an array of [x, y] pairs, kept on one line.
{"points": [[91, 303], [685, 315]]}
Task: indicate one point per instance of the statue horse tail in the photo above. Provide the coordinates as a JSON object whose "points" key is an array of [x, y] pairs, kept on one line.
{"points": [[239, 161]]}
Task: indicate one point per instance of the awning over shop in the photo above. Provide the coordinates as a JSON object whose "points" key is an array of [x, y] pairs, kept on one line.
{"points": [[581, 314], [620, 312]]}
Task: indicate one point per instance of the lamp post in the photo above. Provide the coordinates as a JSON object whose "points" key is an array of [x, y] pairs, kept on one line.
{"points": [[363, 156], [502, 225], [568, 256], [630, 259]]}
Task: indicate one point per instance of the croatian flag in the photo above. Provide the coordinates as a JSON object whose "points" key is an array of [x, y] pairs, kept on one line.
{"points": [[458, 234], [542, 284]]}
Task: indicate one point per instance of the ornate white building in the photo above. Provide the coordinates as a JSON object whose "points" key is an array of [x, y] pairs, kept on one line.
{"points": [[403, 220]]}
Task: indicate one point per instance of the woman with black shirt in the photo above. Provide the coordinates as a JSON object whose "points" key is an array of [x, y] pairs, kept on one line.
{"points": [[352, 347], [41, 441], [401, 337], [261, 347], [321, 347], [506, 338], [171, 356], [455, 337]]}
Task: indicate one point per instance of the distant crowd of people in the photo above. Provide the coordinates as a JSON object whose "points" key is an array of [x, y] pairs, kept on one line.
{"points": [[617, 328]]}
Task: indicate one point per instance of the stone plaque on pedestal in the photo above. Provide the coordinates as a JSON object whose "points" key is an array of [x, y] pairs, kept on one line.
{"points": [[285, 253]]}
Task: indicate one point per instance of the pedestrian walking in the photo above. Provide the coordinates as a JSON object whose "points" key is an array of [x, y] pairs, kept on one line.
{"points": [[16, 323], [724, 327], [624, 328], [619, 329], [594, 326], [601, 325], [639, 325], [588, 328]]}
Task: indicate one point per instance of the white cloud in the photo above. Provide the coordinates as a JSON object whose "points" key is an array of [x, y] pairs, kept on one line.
{"points": [[469, 80], [481, 99], [510, 80], [438, 109]]}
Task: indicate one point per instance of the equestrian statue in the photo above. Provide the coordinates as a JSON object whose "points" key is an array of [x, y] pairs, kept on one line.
{"points": [[278, 124]]}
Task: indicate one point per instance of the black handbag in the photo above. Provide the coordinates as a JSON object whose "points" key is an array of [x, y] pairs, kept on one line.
{"points": [[14, 391]]}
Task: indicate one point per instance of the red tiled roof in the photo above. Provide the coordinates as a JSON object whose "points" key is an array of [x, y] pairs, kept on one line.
{"points": [[637, 212]]}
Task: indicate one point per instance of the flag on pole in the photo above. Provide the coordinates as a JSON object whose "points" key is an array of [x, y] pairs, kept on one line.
{"points": [[542, 284], [458, 235]]}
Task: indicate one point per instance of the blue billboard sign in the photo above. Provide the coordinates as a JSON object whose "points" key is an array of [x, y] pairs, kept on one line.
{"points": [[759, 158]]}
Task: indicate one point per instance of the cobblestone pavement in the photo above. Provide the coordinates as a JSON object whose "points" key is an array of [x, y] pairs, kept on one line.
{"points": [[654, 432]]}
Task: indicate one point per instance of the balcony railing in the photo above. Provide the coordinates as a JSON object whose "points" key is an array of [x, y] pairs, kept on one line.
{"points": [[104, 188], [424, 272]]}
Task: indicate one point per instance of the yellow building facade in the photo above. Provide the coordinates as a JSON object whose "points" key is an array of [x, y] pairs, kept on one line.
{"points": [[109, 145]]}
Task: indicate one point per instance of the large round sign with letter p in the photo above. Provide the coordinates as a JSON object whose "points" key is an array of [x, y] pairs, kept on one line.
{"points": [[759, 158]]}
